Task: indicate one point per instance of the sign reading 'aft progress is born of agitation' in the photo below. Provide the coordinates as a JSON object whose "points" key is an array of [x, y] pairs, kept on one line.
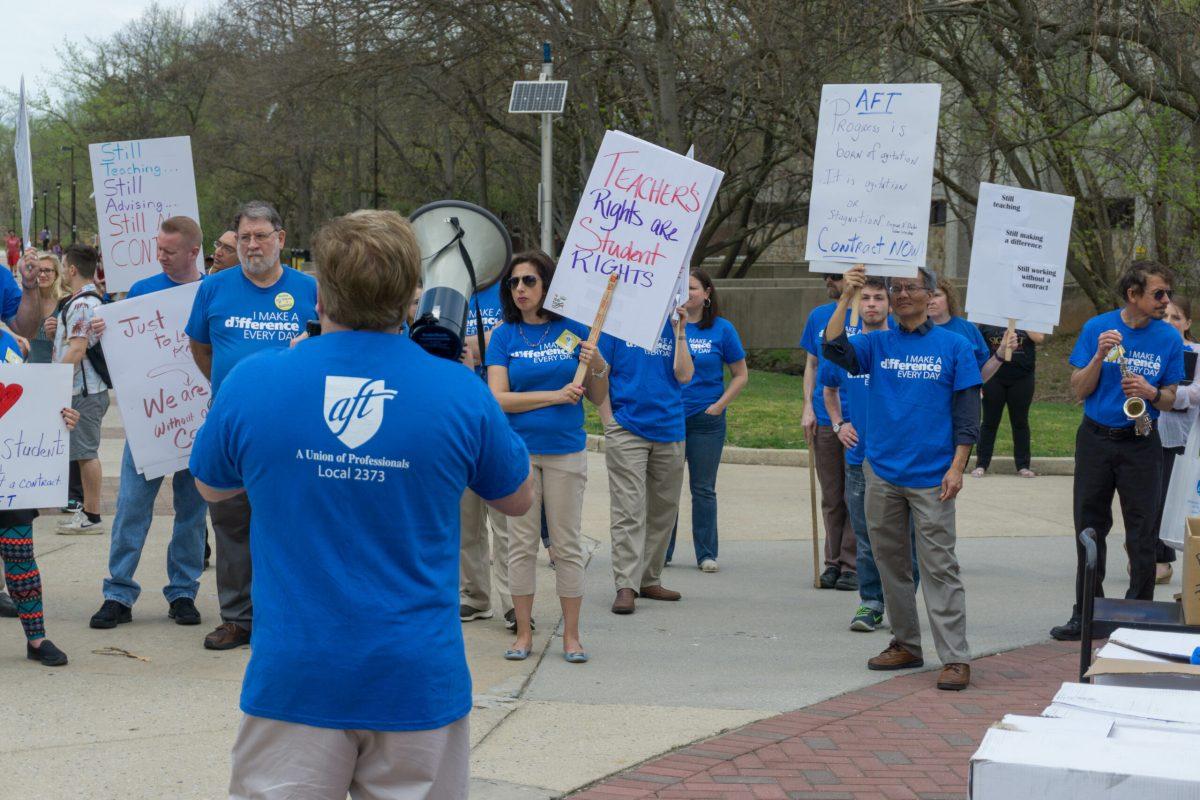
{"points": [[873, 177], [138, 184]]}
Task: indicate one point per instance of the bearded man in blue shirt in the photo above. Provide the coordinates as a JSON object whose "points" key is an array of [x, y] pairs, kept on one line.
{"points": [[923, 414]]}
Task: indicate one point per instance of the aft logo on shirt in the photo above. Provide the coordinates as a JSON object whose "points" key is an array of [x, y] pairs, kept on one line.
{"points": [[354, 407], [927, 368]]}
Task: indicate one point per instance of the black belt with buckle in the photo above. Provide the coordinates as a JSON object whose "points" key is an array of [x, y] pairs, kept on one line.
{"points": [[1114, 434]]}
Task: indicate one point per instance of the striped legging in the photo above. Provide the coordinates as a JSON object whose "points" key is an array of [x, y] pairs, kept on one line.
{"points": [[23, 578]]}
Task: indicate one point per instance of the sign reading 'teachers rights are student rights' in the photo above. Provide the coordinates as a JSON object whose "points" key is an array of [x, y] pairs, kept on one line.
{"points": [[138, 184], [639, 217], [873, 177]]}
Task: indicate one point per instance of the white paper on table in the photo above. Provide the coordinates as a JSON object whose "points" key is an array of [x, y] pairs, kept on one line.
{"points": [[138, 184], [34, 441], [1166, 644], [162, 395], [873, 176]]}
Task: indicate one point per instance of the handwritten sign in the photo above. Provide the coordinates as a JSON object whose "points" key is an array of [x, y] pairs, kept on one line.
{"points": [[639, 217], [1019, 257], [34, 442], [162, 395], [139, 184], [873, 177]]}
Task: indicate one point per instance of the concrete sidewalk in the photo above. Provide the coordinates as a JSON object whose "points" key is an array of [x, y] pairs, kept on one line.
{"points": [[746, 643]]}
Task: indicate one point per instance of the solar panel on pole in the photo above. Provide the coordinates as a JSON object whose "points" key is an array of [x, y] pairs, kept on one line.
{"points": [[538, 97]]}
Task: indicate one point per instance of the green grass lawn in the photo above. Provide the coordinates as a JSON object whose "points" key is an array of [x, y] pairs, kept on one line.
{"points": [[768, 415]]}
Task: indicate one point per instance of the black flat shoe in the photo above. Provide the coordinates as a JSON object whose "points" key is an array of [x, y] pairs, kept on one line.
{"points": [[7, 607], [48, 654], [1071, 632]]}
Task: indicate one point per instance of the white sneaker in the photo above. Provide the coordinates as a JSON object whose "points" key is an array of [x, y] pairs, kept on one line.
{"points": [[80, 525], [708, 565], [71, 520]]}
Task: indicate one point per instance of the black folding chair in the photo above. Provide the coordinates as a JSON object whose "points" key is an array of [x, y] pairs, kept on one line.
{"points": [[1100, 616]]}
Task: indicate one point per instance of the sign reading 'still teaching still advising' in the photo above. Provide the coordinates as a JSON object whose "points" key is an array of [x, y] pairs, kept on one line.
{"points": [[873, 177], [639, 217], [138, 184]]}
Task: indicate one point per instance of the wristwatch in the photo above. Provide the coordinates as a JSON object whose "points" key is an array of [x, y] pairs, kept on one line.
{"points": [[837, 426]]}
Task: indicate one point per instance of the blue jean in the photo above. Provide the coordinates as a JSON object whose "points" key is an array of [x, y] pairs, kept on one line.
{"points": [[135, 509], [870, 587], [705, 442]]}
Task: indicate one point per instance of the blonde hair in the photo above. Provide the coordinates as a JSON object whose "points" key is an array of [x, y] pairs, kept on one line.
{"points": [[186, 227], [57, 290], [369, 265], [944, 286]]}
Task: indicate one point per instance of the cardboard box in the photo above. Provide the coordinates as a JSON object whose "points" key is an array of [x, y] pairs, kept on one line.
{"points": [[1191, 572], [1068, 766], [1155, 665]]}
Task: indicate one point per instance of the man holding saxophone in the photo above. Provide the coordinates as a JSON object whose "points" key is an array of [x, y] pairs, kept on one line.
{"points": [[1127, 364]]}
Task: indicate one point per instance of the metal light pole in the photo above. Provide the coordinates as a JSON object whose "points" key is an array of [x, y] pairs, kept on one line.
{"points": [[546, 211], [71, 148], [45, 211], [58, 212]]}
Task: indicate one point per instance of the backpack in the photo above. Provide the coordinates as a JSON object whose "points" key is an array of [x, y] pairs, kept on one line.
{"points": [[95, 353]]}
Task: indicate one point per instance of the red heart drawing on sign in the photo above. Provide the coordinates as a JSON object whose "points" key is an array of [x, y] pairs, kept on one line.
{"points": [[9, 395]]}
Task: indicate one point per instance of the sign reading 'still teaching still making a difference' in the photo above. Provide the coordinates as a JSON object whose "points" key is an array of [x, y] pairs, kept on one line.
{"points": [[873, 177]]}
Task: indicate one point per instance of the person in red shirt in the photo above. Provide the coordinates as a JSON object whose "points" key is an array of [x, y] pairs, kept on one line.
{"points": [[13, 243]]}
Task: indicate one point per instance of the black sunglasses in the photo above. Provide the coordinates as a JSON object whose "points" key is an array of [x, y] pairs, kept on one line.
{"points": [[1163, 294], [528, 280]]}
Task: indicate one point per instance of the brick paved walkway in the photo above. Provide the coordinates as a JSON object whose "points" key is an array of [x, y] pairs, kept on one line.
{"points": [[898, 740]]}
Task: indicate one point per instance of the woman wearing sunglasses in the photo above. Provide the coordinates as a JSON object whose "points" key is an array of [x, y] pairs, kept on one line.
{"points": [[531, 359]]}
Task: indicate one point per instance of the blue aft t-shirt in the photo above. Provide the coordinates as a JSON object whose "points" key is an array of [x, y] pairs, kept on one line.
{"points": [[974, 337], [10, 351], [1154, 351], [488, 303], [854, 393], [155, 283], [913, 380], [10, 295], [239, 319], [646, 398], [712, 348], [536, 363], [356, 495], [813, 339]]}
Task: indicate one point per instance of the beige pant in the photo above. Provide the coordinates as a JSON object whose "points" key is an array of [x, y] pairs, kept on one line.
{"points": [[558, 484], [480, 566], [275, 760], [888, 507], [644, 481]]}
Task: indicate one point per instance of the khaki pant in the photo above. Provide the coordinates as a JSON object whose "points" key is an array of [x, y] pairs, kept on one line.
{"points": [[275, 760], [888, 508], [479, 565], [830, 458], [558, 485], [644, 481]]}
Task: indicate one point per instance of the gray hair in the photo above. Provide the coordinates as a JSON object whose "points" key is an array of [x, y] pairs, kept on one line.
{"points": [[928, 280], [258, 209]]}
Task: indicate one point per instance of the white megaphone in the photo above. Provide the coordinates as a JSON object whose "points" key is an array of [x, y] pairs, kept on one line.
{"points": [[464, 248]]}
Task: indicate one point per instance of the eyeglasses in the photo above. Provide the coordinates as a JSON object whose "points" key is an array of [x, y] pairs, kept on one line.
{"points": [[528, 280], [257, 238], [833, 276], [1163, 294], [47, 271], [219, 245], [906, 288]]}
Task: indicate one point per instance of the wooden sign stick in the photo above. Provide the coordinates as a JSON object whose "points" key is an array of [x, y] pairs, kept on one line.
{"points": [[1012, 327], [598, 323], [812, 502], [854, 299]]}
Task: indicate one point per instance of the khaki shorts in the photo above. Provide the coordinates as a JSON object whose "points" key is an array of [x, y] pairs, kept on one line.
{"points": [[275, 760], [85, 439]]}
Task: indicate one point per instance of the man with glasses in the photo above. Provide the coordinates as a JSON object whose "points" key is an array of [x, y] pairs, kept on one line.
{"points": [[827, 450], [1124, 353], [239, 312], [224, 255], [923, 414]]}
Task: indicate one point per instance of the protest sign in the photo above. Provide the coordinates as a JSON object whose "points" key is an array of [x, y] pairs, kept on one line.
{"points": [[139, 184], [24, 161], [34, 442], [162, 394], [873, 177], [1019, 257], [639, 217]]}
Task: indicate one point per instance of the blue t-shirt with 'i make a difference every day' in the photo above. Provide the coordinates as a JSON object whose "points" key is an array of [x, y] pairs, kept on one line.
{"points": [[1154, 351], [646, 398], [854, 393], [712, 348], [914, 376], [812, 340], [356, 524], [536, 362], [238, 318]]}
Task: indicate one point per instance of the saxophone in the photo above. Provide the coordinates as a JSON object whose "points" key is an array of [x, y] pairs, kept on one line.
{"points": [[1135, 408]]}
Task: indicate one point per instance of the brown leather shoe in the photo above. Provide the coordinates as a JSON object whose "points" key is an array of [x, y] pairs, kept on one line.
{"points": [[955, 677], [227, 636], [657, 592], [895, 657], [624, 602]]}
